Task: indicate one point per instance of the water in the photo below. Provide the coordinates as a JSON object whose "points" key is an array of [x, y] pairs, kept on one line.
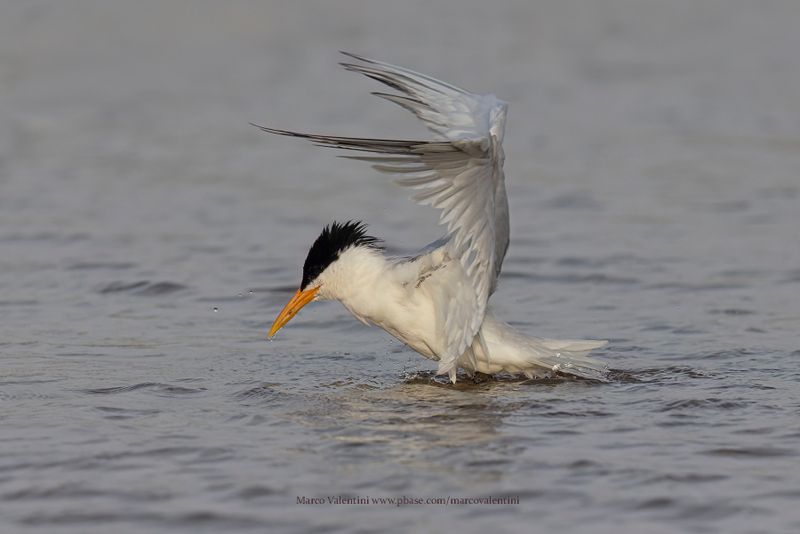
{"points": [[149, 236]]}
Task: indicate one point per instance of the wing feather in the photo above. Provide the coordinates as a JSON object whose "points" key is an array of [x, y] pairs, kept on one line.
{"points": [[460, 173]]}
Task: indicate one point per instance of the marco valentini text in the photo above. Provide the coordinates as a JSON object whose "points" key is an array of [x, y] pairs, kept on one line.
{"points": [[403, 501]]}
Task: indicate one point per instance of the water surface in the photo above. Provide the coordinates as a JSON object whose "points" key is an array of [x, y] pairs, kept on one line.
{"points": [[149, 236]]}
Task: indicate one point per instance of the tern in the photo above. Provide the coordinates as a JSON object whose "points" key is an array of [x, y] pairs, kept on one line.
{"points": [[435, 302]]}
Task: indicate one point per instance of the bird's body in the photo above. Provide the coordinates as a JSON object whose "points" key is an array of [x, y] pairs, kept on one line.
{"points": [[437, 301], [409, 289]]}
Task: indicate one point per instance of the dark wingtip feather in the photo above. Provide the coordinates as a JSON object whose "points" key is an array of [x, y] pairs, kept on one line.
{"points": [[277, 131], [356, 56]]}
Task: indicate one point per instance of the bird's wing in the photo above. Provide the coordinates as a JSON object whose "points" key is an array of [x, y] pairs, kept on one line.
{"points": [[453, 114], [460, 174]]}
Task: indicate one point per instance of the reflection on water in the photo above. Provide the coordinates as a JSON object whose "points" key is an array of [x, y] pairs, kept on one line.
{"points": [[416, 416]]}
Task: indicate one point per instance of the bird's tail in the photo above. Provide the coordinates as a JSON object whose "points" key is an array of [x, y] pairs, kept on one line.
{"points": [[511, 351]]}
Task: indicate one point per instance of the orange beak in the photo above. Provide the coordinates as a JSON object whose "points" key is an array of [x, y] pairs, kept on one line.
{"points": [[295, 304]]}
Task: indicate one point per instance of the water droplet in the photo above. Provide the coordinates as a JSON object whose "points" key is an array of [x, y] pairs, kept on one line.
{"points": [[216, 309], [251, 292]]}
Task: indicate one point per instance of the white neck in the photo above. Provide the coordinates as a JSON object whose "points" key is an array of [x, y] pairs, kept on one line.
{"points": [[356, 279]]}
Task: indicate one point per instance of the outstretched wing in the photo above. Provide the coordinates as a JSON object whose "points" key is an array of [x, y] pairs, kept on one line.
{"points": [[453, 114], [460, 174]]}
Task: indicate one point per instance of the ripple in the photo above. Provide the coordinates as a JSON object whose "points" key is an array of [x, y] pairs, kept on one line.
{"points": [[655, 503], [692, 288], [686, 478], [693, 404], [28, 382], [111, 265], [494, 462], [581, 413], [727, 353], [688, 330], [681, 509], [45, 236], [204, 518], [731, 311], [155, 387], [751, 452], [81, 354], [655, 375], [26, 394], [141, 287], [465, 382], [114, 412], [73, 490], [713, 510], [261, 392], [257, 492]]}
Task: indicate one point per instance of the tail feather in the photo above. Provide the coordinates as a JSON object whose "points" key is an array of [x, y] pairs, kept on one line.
{"points": [[513, 352], [569, 362]]}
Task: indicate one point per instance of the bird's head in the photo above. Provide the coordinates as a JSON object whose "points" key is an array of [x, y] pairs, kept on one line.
{"points": [[337, 249]]}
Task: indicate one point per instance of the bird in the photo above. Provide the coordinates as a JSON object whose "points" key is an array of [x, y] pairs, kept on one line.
{"points": [[435, 301]]}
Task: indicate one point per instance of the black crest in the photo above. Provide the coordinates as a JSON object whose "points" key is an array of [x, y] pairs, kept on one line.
{"points": [[335, 239]]}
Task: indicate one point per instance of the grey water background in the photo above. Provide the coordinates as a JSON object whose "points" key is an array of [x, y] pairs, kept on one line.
{"points": [[149, 235]]}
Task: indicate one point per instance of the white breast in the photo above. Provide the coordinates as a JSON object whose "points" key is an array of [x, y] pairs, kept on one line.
{"points": [[397, 296]]}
